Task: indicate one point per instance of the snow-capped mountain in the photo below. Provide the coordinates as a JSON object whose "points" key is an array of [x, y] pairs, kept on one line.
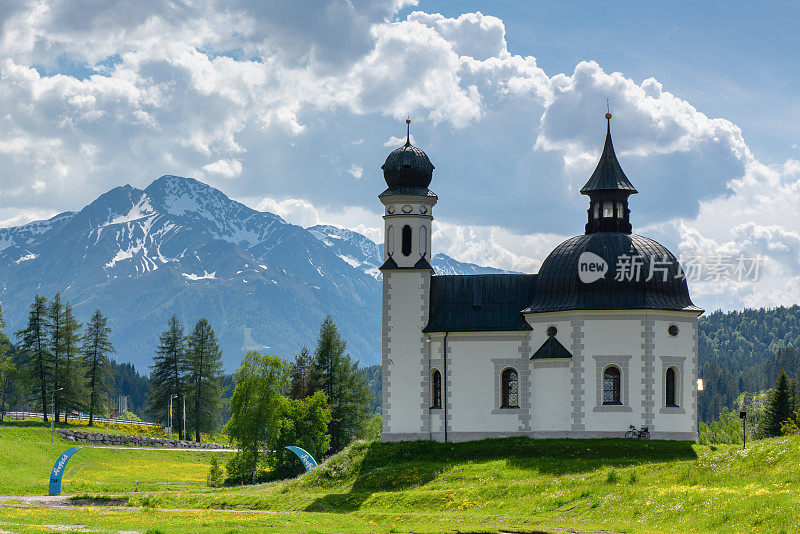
{"points": [[367, 256], [180, 246]]}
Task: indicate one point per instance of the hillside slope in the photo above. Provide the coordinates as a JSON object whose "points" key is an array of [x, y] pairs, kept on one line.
{"points": [[524, 485]]}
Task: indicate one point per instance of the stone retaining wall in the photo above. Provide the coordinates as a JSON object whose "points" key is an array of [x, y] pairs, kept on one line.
{"points": [[134, 441]]}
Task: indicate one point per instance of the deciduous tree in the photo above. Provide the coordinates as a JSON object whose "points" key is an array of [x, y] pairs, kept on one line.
{"points": [[255, 408]]}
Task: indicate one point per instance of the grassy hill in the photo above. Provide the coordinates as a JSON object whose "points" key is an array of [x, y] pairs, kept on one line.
{"points": [[28, 456], [513, 484]]}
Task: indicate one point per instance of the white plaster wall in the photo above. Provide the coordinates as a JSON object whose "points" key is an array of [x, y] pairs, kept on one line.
{"points": [[405, 350], [613, 337], [551, 396], [680, 346], [474, 386]]}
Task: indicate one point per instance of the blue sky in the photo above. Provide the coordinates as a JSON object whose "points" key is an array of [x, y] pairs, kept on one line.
{"points": [[730, 59], [291, 107]]}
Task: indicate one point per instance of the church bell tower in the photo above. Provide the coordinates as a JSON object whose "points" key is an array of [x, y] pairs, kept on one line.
{"points": [[408, 215]]}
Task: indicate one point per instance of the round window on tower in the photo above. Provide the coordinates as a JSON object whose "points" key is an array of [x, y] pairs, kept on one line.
{"points": [[673, 330], [552, 331]]}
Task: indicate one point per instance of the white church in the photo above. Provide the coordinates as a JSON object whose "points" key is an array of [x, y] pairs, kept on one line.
{"points": [[603, 337]]}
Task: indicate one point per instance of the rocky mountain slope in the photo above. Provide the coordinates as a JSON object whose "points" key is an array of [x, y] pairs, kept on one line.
{"points": [[180, 246]]}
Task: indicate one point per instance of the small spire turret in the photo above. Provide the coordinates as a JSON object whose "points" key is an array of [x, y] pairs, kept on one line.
{"points": [[608, 190]]}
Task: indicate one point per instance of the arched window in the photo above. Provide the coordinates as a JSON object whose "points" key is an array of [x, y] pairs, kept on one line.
{"points": [[670, 388], [390, 240], [510, 389], [611, 386], [406, 240], [608, 209], [436, 389], [596, 210], [423, 241]]}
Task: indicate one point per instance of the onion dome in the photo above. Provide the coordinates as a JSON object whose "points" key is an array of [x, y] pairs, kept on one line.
{"points": [[610, 271], [408, 167]]}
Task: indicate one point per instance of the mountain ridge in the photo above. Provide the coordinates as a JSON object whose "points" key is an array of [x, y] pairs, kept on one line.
{"points": [[181, 246]]}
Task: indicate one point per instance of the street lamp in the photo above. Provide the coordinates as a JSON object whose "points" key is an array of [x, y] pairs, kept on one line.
{"points": [[53, 404], [700, 387], [184, 415], [170, 413]]}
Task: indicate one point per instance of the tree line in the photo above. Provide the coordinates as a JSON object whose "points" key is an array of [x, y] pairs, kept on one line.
{"points": [[60, 365], [743, 352]]}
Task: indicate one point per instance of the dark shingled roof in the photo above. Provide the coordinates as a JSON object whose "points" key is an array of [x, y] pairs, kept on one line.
{"points": [[558, 287], [608, 174], [479, 303], [391, 265], [552, 348], [408, 190]]}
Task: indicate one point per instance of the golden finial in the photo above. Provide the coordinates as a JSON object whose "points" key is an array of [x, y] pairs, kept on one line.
{"points": [[408, 131], [608, 116]]}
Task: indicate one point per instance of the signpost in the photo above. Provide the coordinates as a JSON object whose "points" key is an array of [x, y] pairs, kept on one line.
{"points": [[743, 417], [308, 461], [58, 470]]}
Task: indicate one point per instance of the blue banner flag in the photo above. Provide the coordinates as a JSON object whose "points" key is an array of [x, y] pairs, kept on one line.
{"points": [[308, 461], [58, 470]]}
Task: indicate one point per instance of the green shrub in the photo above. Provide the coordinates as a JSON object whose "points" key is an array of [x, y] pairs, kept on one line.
{"points": [[215, 476], [612, 477]]}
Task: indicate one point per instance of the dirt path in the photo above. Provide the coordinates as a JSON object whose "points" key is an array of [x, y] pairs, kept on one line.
{"points": [[65, 501]]}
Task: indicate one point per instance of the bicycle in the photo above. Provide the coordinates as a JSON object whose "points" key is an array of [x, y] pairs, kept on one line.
{"points": [[644, 433]]}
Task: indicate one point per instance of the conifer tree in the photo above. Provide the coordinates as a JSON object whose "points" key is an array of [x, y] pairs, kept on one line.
{"points": [[8, 369], [96, 348], [33, 344], [166, 373], [55, 321], [8, 372], [300, 374], [74, 378], [345, 386], [203, 368], [778, 409]]}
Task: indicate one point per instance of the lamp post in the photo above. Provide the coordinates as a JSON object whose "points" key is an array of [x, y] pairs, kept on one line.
{"points": [[52, 419], [170, 414], [743, 417], [700, 387], [184, 415]]}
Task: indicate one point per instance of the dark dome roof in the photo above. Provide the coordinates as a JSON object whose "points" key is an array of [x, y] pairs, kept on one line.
{"points": [[408, 166], [558, 286]]}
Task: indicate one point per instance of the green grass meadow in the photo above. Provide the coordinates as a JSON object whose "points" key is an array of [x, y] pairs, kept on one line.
{"points": [[514, 484], [27, 457]]}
